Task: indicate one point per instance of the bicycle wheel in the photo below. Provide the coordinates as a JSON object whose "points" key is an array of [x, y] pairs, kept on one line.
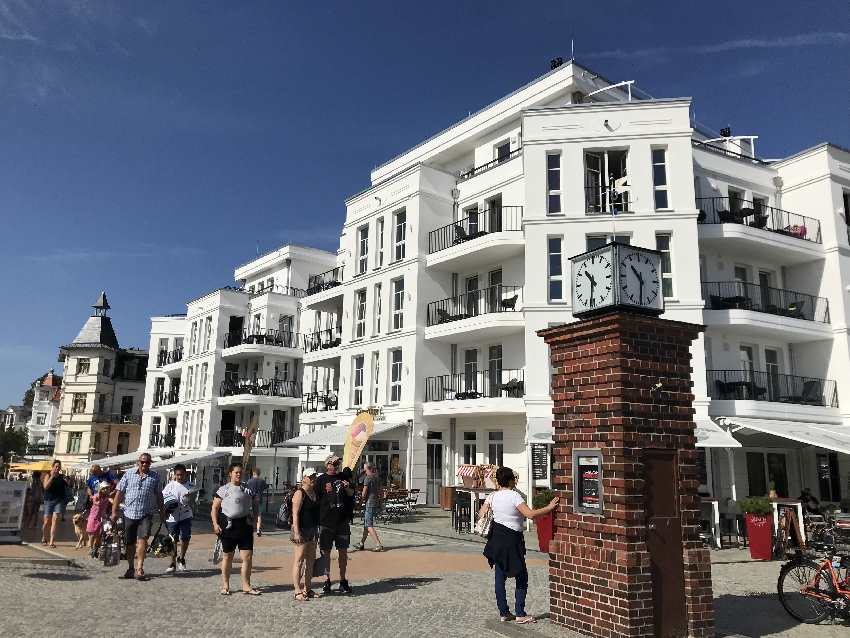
{"points": [[796, 575]]}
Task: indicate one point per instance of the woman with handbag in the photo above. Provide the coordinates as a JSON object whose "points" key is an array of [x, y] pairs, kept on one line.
{"points": [[505, 549]]}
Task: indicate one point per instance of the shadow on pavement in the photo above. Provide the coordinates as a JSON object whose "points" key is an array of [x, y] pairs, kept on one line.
{"points": [[59, 577], [752, 615], [390, 585]]}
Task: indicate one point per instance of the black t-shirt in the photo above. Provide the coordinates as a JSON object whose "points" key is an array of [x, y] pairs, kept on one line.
{"points": [[336, 507]]}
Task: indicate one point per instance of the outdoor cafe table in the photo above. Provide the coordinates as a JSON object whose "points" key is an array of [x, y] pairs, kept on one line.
{"points": [[788, 502], [475, 494]]}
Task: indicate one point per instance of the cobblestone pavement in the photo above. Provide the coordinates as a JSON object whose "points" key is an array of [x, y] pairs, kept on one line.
{"points": [[425, 584]]}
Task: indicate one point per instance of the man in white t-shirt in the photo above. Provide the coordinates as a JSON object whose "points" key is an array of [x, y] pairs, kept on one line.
{"points": [[177, 497]]}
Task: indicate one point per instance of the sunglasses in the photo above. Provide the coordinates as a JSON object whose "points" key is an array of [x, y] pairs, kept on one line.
{"points": [[145, 462]]}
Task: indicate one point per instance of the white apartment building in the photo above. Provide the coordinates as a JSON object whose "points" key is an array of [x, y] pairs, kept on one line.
{"points": [[232, 360], [43, 424], [458, 252]]}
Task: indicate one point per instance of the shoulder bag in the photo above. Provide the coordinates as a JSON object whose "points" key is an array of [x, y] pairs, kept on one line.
{"points": [[482, 527]]}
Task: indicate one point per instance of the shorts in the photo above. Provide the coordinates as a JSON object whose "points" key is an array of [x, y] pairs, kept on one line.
{"points": [[369, 516], [181, 530], [137, 529], [240, 534], [330, 537], [53, 507], [308, 535]]}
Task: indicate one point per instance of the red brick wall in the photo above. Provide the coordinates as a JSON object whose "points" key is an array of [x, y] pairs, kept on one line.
{"points": [[604, 373]]}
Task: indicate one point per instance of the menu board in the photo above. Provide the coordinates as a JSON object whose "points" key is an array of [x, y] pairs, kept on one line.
{"points": [[588, 481], [539, 461], [12, 496]]}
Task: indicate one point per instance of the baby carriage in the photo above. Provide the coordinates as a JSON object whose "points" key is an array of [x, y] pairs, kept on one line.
{"points": [[112, 545], [162, 544]]}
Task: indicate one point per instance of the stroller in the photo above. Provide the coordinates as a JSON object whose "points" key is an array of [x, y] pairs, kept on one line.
{"points": [[113, 548], [162, 545]]}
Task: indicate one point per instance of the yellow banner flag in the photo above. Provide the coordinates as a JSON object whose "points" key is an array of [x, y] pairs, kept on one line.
{"points": [[355, 440]]}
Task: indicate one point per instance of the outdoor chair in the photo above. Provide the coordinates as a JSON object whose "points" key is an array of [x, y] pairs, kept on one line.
{"points": [[795, 309], [759, 221], [509, 303], [727, 218], [413, 499], [717, 302], [723, 389], [460, 235], [462, 512], [511, 387], [701, 217], [812, 394], [443, 316], [733, 531]]}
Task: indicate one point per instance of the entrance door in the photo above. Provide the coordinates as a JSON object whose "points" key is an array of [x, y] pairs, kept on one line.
{"points": [[434, 481], [664, 542]]}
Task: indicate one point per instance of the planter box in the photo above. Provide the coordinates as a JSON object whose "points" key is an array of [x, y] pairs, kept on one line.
{"points": [[545, 531], [760, 533]]}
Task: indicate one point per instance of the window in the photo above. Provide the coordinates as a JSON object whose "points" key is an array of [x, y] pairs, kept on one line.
{"points": [[398, 303], [553, 183], [360, 314], [97, 441], [659, 178], [395, 376], [846, 198], [190, 377], [376, 375], [42, 395], [75, 440], [379, 238], [828, 478], [556, 269], [601, 171], [261, 286], [377, 308], [362, 249], [270, 283], [251, 289], [123, 443], [772, 368], [126, 405], [107, 367], [163, 344], [41, 418], [131, 368], [193, 338], [502, 150], [203, 389], [159, 391], [256, 326], [495, 447], [101, 404], [662, 243], [357, 385], [78, 405], [470, 450], [207, 333], [184, 431], [200, 437], [83, 365], [598, 241], [156, 423], [400, 234], [736, 200]]}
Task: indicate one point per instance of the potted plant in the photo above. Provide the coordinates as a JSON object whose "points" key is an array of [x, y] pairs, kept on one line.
{"points": [[771, 490], [758, 513], [544, 524]]}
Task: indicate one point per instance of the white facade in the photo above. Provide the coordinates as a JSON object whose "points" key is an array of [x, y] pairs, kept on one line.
{"points": [[43, 424], [234, 359], [493, 208]]}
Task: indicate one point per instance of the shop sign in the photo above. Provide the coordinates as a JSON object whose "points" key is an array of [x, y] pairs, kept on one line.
{"points": [[587, 481]]}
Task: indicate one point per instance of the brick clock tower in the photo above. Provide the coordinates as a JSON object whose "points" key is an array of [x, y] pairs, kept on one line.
{"points": [[626, 558]]}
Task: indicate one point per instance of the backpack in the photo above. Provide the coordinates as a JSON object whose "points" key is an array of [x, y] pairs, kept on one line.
{"points": [[284, 513]]}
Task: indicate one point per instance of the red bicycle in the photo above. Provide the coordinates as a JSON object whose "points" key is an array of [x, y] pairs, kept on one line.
{"points": [[814, 590]]}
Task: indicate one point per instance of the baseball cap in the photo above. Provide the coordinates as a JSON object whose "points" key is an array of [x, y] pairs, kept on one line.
{"points": [[308, 471], [332, 459], [103, 485]]}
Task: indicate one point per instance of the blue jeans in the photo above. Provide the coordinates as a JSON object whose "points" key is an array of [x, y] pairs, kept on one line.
{"points": [[502, 596]]}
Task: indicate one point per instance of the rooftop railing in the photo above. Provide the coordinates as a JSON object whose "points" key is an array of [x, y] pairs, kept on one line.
{"points": [[260, 387], [323, 339], [474, 303], [323, 281], [270, 337], [166, 357], [755, 214], [754, 385], [115, 417], [724, 151], [495, 219], [739, 295], [476, 384], [324, 401], [483, 168]]}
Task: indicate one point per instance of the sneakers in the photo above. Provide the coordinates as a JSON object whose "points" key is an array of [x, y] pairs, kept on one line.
{"points": [[171, 569], [181, 564], [326, 588], [343, 587], [358, 547]]}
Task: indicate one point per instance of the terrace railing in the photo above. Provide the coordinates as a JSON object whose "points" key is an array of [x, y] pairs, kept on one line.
{"points": [[475, 384], [320, 401], [166, 357], [260, 387], [161, 440], [483, 168], [495, 219], [739, 295], [754, 385], [323, 281], [474, 303], [270, 337], [733, 210], [323, 340]]}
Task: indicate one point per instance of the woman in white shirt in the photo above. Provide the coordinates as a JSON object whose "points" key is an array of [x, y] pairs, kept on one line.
{"points": [[505, 549]]}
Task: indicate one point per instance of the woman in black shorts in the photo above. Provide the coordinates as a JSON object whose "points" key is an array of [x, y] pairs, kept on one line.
{"points": [[305, 524], [232, 507]]}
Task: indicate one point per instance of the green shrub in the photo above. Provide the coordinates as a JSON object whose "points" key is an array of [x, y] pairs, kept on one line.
{"points": [[542, 498], [759, 505]]}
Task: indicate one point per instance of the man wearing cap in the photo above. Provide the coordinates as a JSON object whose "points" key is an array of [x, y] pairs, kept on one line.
{"points": [[336, 500]]}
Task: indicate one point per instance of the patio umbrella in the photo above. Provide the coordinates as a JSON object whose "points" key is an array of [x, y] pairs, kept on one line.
{"points": [[37, 466]]}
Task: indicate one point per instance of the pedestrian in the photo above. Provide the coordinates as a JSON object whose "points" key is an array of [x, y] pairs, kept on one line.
{"points": [[54, 498], [336, 502], [258, 488], [505, 548], [305, 528], [139, 490], [235, 503], [34, 499], [370, 496], [177, 496], [100, 508], [97, 476]]}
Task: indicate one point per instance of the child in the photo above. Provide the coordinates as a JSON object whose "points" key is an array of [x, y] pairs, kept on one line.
{"points": [[100, 508]]}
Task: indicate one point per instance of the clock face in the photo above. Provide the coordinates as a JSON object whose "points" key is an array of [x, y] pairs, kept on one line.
{"points": [[593, 282], [640, 282]]}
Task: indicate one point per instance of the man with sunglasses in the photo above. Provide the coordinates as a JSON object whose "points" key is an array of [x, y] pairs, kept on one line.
{"points": [[141, 493], [336, 502]]}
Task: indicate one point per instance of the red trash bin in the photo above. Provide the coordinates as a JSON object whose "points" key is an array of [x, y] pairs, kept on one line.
{"points": [[544, 531], [760, 533]]}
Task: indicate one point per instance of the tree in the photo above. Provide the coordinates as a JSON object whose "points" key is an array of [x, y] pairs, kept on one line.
{"points": [[29, 395], [13, 442]]}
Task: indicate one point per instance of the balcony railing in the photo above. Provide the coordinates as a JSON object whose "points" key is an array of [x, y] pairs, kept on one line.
{"points": [[115, 417], [599, 200], [496, 219], [161, 440], [738, 295], [167, 398], [753, 385], [271, 337], [323, 281], [262, 438], [475, 384], [732, 210], [724, 151], [323, 340], [471, 304], [166, 357], [477, 170], [280, 290], [260, 387], [320, 401]]}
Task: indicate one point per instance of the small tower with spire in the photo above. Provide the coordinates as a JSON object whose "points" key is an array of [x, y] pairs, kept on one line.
{"points": [[101, 305]]}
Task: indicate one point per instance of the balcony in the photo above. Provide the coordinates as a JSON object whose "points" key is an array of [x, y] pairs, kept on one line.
{"points": [[167, 357], [274, 392], [262, 438], [161, 440], [476, 392], [115, 417], [322, 345], [476, 315], [324, 281], [288, 291], [327, 401], [489, 236], [172, 397], [252, 343], [483, 168], [325, 290]]}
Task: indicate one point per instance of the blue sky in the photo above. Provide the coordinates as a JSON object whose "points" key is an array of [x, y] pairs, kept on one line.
{"points": [[148, 146]]}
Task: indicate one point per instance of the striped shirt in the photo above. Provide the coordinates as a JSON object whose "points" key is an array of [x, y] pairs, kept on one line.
{"points": [[140, 493]]}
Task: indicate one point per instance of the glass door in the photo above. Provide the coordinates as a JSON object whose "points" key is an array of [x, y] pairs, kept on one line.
{"points": [[494, 370], [470, 370], [472, 296], [434, 460], [771, 366], [494, 290]]}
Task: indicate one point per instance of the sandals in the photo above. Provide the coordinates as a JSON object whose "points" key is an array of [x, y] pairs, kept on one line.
{"points": [[525, 620], [142, 577], [224, 592], [311, 594], [252, 592], [301, 596]]}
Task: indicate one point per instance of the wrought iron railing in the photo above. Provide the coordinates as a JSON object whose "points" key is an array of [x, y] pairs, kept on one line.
{"points": [[496, 219], [754, 385], [167, 398], [738, 295], [599, 199], [323, 281], [320, 401], [261, 387], [323, 339], [262, 438], [270, 337], [725, 151], [116, 417], [733, 210], [483, 168], [280, 290], [161, 440], [474, 384], [166, 357], [476, 302]]}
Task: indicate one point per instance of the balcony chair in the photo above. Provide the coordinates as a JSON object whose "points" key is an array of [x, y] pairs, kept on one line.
{"points": [[701, 217], [755, 392], [509, 303], [724, 391], [812, 394], [460, 235], [443, 316], [759, 221], [745, 212], [795, 309], [512, 388], [331, 402]]}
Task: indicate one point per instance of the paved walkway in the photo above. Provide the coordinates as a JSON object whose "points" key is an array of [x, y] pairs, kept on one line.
{"points": [[429, 582]]}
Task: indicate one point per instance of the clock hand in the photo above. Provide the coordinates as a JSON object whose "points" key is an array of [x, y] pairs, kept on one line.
{"points": [[637, 274]]}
